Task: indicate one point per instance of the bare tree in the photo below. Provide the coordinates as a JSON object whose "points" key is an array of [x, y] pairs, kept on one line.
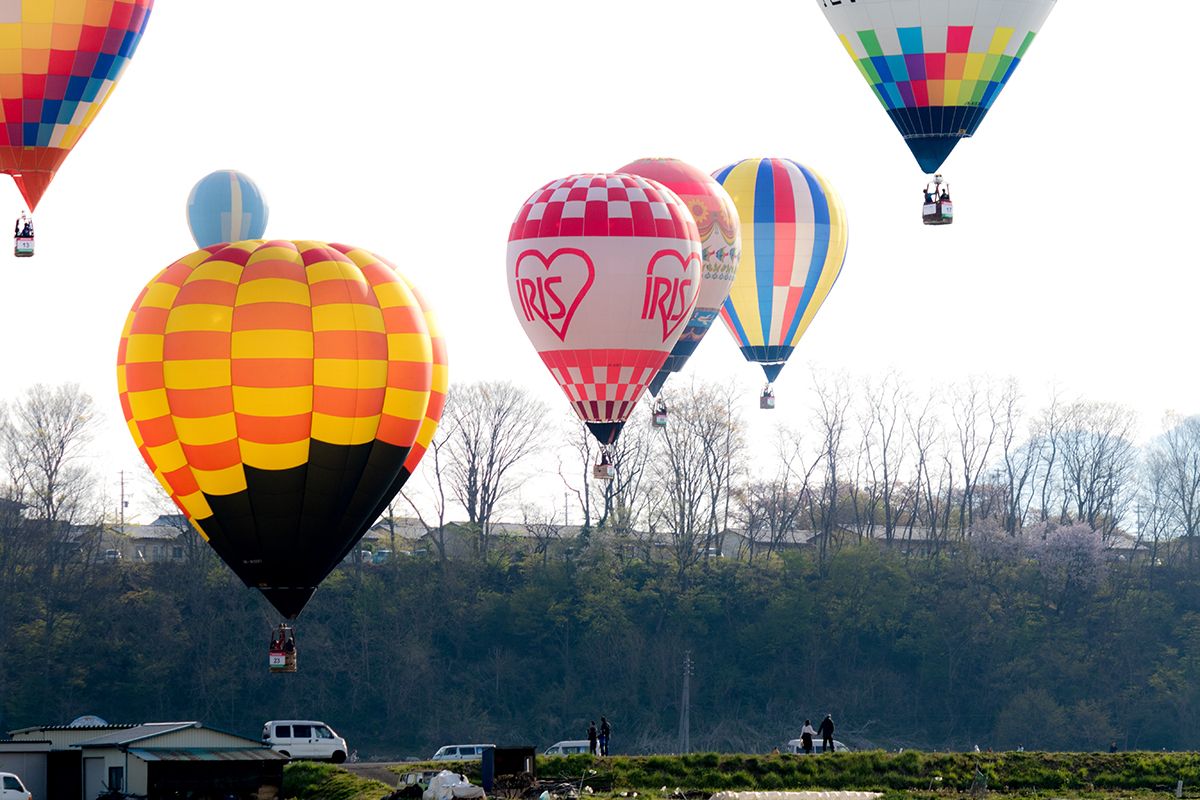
{"points": [[1173, 461], [974, 413], [494, 427], [1098, 463], [886, 402], [43, 436], [700, 450], [1022, 452], [1050, 425], [544, 526], [434, 470], [613, 505], [833, 405], [771, 509], [924, 428]]}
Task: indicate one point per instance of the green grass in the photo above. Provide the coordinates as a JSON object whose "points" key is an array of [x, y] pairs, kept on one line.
{"points": [[908, 772], [305, 780], [1051, 776]]}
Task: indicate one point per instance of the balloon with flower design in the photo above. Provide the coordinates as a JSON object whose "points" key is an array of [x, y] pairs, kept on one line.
{"points": [[721, 244]]}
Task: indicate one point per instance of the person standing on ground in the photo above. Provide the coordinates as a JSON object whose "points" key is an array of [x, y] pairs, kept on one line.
{"points": [[592, 738], [806, 737], [605, 732], [826, 731]]}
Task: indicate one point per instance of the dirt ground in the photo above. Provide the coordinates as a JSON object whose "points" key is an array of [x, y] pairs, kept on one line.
{"points": [[378, 770]]}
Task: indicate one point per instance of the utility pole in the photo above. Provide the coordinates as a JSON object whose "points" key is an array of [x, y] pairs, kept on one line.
{"points": [[685, 721], [123, 503]]}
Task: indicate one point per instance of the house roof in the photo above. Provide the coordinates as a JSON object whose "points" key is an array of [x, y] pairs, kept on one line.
{"points": [[137, 733], [43, 728], [262, 753]]}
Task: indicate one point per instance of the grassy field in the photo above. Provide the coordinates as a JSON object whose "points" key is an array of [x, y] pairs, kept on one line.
{"points": [[305, 780], [899, 774]]}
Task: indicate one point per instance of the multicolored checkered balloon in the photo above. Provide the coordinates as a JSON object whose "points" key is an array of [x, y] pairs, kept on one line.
{"points": [[282, 393], [937, 66], [59, 61]]}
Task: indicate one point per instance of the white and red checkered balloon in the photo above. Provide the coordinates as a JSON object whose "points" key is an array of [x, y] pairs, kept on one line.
{"points": [[603, 272]]}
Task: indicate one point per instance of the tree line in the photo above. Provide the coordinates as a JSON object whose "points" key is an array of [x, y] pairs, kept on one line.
{"points": [[1016, 625]]}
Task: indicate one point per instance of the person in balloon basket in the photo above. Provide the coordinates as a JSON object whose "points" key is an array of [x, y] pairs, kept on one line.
{"points": [[605, 733], [826, 731], [592, 738]]}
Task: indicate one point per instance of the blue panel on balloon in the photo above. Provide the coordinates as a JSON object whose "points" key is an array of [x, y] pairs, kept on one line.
{"points": [[226, 206]]}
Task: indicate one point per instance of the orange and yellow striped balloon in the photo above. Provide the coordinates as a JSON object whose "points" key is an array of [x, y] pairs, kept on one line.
{"points": [[281, 392]]}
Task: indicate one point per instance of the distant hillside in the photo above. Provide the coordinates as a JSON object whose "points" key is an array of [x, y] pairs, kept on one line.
{"points": [[971, 646]]}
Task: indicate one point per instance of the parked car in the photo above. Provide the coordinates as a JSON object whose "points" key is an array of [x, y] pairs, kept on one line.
{"points": [[461, 752], [794, 746], [11, 788], [569, 747], [305, 738]]}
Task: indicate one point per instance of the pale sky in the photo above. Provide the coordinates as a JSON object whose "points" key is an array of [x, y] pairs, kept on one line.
{"points": [[417, 131]]}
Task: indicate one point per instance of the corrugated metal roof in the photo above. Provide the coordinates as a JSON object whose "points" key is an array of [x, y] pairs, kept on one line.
{"points": [[136, 733], [40, 728], [207, 754]]}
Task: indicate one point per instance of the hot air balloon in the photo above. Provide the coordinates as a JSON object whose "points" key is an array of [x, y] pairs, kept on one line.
{"points": [[721, 243], [226, 206], [794, 237], [64, 58], [281, 392], [937, 66], [604, 271]]}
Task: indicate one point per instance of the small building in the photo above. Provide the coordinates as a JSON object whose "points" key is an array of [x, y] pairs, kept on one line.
{"points": [[155, 759]]}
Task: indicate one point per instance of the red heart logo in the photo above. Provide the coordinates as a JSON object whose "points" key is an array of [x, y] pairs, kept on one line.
{"points": [[672, 288], [555, 292]]}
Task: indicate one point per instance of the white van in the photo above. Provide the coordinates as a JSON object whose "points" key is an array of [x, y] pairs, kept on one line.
{"points": [[11, 788], [461, 752], [795, 746], [570, 747], [305, 738]]}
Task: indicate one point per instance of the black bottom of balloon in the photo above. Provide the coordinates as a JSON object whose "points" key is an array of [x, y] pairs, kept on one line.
{"points": [[291, 527], [771, 358], [932, 132], [656, 383], [288, 602], [606, 432]]}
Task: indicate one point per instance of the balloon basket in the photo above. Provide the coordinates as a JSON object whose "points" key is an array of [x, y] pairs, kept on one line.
{"points": [[281, 656], [279, 661], [767, 401], [938, 213], [659, 419], [23, 247]]}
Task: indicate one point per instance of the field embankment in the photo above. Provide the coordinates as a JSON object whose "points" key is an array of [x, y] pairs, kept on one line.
{"points": [[305, 780], [1012, 772]]}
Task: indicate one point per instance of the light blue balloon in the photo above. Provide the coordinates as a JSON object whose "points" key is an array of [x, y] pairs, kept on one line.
{"points": [[226, 206]]}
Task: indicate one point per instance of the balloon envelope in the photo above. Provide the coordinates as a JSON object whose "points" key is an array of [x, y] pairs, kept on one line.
{"points": [[937, 66], [603, 272], [276, 390], [721, 245], [62, 59], [794, 239], [226, 206]]}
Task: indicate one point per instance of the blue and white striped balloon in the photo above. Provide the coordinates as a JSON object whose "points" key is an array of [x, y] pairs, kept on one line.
{"points": [[226, 206]]}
